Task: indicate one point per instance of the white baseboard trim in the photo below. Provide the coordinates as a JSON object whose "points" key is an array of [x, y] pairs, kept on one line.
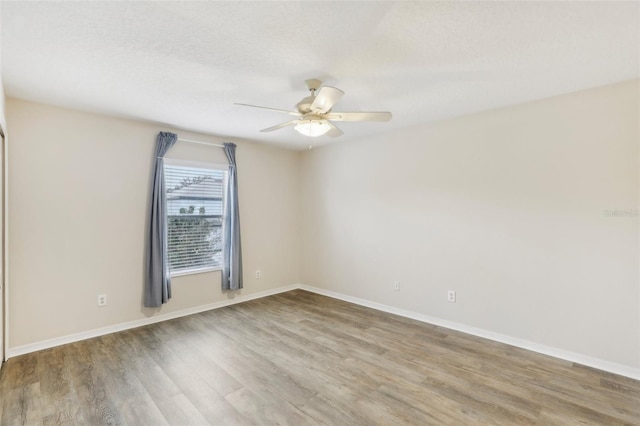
{"points": [[75, 337], [600, 364]]}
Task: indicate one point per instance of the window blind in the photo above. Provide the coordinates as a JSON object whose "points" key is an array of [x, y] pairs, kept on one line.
{"points": [[195, 198]]}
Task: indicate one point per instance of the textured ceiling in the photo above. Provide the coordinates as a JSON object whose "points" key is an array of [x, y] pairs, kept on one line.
{"points": [[186, 63]]}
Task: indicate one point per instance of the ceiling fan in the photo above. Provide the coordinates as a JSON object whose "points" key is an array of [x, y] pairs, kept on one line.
{"points": [[314, 115]]}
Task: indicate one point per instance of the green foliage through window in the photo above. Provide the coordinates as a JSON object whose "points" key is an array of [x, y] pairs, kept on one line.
{"points": [[195, 240]]}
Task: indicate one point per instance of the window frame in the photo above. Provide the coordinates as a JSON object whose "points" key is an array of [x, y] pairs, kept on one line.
{"points": [[200, 165]]}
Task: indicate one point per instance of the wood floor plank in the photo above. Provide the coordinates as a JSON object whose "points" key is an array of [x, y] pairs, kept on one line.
{"points": [[178, 410], [273, 412], [201, 359], [23, 370], [97, 407], [128, 394], [32, 411], [12, 407], [60, 405], [299, 358], [151, 376], [206, 399], [22, 406], [141, 410]]}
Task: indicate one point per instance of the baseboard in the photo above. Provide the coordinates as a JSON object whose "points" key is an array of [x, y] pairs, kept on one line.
{"points": [[70, 338], [600, 364]]}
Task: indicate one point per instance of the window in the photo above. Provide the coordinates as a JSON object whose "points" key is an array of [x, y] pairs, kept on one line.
{"points": [[195, 197]]}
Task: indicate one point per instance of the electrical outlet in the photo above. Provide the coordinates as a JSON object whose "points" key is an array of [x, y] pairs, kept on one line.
{"points": [[102, 300], [451, 296], [396, 285], [258, 274]]}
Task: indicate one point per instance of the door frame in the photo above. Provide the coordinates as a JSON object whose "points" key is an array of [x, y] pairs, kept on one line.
{"points": [[4, 318]]}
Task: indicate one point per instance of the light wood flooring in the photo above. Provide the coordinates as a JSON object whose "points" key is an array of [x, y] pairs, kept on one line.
{"points": [[299, 358]]}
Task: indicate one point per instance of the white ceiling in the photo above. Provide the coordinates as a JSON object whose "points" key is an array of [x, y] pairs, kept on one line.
{"points": [[186, 63]]}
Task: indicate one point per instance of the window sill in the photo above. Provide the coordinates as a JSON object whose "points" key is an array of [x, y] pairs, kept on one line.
{"points": [[194, 271]]}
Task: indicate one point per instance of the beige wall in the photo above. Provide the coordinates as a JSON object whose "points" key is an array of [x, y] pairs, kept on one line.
{"points": [[79, 184], [506, 207]]}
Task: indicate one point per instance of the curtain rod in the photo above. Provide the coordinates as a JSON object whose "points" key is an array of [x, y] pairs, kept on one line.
{"points": [[199, 142]]}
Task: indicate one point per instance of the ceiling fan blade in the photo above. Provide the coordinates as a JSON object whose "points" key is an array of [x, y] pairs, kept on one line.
{"points": [[334, 132], [358, 116], [280, 126], [294, 113], [326, 99]]}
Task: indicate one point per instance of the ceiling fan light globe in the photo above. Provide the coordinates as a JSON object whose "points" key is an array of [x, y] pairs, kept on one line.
{"points": [[312, 128]]}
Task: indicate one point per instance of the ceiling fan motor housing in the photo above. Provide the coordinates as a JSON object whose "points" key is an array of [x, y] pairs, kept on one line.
{"points": [[304, 106]]}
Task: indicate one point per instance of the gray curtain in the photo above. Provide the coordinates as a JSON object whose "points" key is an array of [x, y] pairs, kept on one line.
{"points": [[231, 249], [157, 289]]}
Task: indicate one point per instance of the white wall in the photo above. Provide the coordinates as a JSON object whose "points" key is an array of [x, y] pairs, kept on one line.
{"points": [[506, 207], [79, 186]]}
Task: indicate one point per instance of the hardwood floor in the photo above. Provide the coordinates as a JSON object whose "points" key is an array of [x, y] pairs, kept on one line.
{"points": [[299, 358]]}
